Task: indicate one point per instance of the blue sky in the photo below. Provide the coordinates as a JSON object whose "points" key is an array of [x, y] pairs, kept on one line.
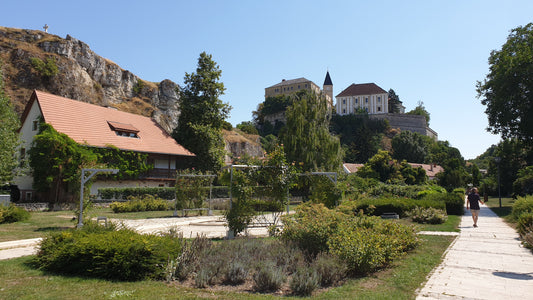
{"points": [[429, 51]]}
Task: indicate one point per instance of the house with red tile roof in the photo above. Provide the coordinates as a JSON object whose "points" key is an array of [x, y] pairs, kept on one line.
{"points": [[100, 127]]}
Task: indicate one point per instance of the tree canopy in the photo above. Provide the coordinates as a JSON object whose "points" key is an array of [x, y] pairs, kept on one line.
{"points": [[420, 110], [203, 114], [507, 90], [8, 135], [394, 102], [306, 137], [56, 160]]}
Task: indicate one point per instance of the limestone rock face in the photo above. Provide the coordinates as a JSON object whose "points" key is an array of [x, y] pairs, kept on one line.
{"points": [[82, 75]]}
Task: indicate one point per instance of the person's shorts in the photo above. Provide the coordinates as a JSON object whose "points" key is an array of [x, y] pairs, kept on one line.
{"points": [[475, 211]]}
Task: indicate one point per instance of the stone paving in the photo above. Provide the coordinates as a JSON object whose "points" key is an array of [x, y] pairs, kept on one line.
{"points": [[487, 262]]}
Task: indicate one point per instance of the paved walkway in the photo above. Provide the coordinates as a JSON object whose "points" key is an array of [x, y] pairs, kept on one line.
{"points": [[487, 262]]}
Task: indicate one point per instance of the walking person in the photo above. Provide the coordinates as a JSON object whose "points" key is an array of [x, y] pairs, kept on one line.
{"points": [[472, 203]]}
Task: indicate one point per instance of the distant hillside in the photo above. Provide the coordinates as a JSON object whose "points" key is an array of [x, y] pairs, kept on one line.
{"points": [[81, 75]]}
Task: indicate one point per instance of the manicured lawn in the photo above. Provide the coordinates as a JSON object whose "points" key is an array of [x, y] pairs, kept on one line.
{"points": [[18, 280], [452, 224]]}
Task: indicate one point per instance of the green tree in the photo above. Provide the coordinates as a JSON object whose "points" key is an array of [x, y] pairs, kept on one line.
{"points": [[381, 167], [306, 137], [8, 134], [203, 114], [359, 135], [394, 102], [411, 146], [507, 90], [421, 111], [247, 127], [56, 160]]}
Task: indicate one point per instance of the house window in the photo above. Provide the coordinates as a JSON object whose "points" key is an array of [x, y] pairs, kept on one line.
{"points": [[343, 101], [29, 196], [379, 108], [121, 129], [298, 86], [306, 85], [356, 100], [344, 111], [366, 100], [35, 125], [379, 99], [22, 156]]}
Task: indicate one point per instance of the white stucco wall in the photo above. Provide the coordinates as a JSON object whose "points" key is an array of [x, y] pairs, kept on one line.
{"points": [[27, 133], [377, 104]]}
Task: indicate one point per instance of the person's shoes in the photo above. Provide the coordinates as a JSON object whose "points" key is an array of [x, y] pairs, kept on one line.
{"points": [[475, 226]]}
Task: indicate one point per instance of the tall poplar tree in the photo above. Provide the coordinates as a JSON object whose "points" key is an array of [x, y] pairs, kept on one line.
{"points": [[9, 123], [306, 137], [202, 115]]}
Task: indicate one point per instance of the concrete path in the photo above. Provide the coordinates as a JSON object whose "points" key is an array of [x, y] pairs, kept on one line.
{"points": [[487, 262]]}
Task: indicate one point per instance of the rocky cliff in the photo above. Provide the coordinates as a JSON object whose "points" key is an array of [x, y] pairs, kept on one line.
{"points": [[85, 76], [81, 75]]}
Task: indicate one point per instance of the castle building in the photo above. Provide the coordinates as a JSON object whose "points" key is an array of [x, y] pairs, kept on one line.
{"points": [[287, 87], [366, 96]]}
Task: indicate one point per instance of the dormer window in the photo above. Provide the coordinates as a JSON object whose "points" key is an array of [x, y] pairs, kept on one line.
{"points": [[122, 129]]}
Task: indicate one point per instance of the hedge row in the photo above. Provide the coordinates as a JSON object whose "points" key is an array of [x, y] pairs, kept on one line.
{"points": [[146, 204], [452, 202], [167, 193], [101, 252]]}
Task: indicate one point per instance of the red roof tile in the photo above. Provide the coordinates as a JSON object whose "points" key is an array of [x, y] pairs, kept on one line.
{"points": [[361, 89], [95, 125]]}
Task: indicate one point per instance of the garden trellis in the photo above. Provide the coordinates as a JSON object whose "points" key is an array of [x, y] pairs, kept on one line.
{"points": [[191, 192]]}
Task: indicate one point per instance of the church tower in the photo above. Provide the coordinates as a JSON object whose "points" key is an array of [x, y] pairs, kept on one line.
{"points": [[328, 89]]}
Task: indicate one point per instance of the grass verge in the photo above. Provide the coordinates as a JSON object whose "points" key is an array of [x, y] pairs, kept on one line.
{"points": [[18, 280], [504, 211]]}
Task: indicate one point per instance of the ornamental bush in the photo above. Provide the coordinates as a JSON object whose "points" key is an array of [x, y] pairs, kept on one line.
{"points": [[366, 244], [310, 227], [167, 193], [428, 215], [101, 252], [522, 205], [146, 203], [12, 214]]}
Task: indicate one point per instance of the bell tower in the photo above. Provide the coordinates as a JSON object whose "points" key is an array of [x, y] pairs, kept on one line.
{"points": [[328, 89]]}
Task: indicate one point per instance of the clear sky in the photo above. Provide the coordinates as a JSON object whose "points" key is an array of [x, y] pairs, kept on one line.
{"points": [[429, 51]]}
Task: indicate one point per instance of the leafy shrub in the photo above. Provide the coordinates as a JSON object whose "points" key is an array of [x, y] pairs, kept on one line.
{"points": [[101, 252], [522, 205], [266, 205], [454, 202], [12, 214], [167, 193], [428, 215], [147, 203], [310, 227], [268, 278], [525, 223], [329, 268], [366, 244], [304, 282]]}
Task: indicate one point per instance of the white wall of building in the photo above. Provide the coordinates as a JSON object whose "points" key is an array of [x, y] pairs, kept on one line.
{"points": [[28, 130], [373, 104]]}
